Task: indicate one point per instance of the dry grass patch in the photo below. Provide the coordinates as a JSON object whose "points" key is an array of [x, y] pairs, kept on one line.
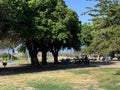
{"points": [[84, 79], [22, 79], [76, 79], [19, 80]]}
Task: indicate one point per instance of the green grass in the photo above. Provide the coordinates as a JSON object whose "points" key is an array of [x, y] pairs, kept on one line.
{"points": [[107, 80], [22, 61], [85, 71], [51, 86], [108, 86], [89, 78]]}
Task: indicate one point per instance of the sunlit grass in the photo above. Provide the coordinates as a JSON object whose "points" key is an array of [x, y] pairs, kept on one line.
{"points": [[72, 79], [22, 61], [26, 60], [86, 78]]}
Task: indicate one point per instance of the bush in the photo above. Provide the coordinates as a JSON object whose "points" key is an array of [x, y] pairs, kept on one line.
{"points": [[6, 56]]}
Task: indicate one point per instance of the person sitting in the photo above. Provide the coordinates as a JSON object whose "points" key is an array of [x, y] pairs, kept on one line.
{"points": [[86, 60]]}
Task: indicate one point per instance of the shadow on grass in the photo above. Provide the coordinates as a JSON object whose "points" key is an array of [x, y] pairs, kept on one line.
{"points": [[27, 68]]}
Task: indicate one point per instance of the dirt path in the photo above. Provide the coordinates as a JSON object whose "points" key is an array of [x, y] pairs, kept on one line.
{"points": [[114, 64]]}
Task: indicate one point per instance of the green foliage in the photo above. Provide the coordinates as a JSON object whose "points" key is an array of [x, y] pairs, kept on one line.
{"points": [[57, 24], [21, 49], [45, 19], [8, 38], [106, 32], [5, 56], [108, 11], [4, 19], [44, 25], [105, 41], [86, 34]]}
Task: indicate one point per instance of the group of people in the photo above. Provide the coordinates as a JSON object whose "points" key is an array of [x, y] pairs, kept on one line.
{"points": [[84, 59]]}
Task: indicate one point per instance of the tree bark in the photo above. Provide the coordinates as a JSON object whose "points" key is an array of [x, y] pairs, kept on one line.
{"points": [[33, 54], [55, 55], [12, 55], [9, 55], [44, 58], [34, 59]]}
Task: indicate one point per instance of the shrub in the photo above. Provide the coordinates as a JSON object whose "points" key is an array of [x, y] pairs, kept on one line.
{"points": [[6, 56]]}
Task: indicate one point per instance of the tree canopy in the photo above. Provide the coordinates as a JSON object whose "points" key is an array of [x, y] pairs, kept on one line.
{"points": [[44, 25], [106, 23]]}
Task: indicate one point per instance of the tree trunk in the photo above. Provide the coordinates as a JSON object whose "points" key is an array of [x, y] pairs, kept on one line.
{"points": [[55, 55], [112, 54], [9, 55], [12, 54], [28, 56], [33, 55], [44, 58]]}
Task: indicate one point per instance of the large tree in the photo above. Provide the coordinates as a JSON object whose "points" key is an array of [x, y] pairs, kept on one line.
{"points": [[44, 25], [57, 27], [105, 27], [22, 14], [7, 36]]}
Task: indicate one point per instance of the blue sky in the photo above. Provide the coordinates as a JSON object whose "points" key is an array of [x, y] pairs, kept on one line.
{"points": [[80, 6]]}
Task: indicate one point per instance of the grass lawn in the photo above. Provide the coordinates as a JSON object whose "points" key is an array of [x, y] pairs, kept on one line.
{"points": [[90, 78]]}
